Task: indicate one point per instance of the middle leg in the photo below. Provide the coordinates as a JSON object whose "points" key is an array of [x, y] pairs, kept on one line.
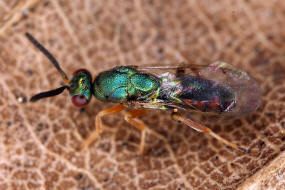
{"points": [[98, 121], [131, 117]]}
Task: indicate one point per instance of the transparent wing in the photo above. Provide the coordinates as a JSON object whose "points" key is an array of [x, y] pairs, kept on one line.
{"points": [[246, 89], [172, 66], [185, 68]]}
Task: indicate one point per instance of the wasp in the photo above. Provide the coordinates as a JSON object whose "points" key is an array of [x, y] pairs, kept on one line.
{"points": [[217, 88]]}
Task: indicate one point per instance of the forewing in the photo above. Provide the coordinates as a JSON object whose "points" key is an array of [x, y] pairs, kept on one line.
{"points": [[175, 68], [247, 90]]}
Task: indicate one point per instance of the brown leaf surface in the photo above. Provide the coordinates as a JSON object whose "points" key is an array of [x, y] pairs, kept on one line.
{"points": [[39, 142]]}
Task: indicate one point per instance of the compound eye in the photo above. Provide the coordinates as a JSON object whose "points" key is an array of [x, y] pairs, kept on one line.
{"points": [[79, 100]]}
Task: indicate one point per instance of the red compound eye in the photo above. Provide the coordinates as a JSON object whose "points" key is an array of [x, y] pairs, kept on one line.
{"points": [[81, 71], [79, 100]]}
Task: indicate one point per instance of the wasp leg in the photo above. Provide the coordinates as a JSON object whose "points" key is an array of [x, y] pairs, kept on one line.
{"points": [[116, 109], [204, 129], [130, 117]]}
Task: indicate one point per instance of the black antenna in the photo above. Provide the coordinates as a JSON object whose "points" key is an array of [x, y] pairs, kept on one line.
{"points": [[50, 93], [48, 55]]}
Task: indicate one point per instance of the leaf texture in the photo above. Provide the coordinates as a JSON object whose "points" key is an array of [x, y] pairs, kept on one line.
{"points": [[39, 142]]}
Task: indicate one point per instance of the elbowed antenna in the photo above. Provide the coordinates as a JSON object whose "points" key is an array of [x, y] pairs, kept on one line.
{"points": [[53, 92], [49, 93], [49, 56]]}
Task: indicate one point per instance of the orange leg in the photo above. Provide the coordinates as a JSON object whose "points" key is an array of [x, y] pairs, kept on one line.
{"points": [[204, 129], [116, 109], [130, 117]]}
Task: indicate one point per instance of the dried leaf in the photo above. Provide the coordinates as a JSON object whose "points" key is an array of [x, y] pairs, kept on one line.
{"points": [[39, 141]]}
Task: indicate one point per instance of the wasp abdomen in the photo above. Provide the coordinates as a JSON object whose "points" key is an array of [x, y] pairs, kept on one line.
{"points": [[206, 95], [199, 93]]}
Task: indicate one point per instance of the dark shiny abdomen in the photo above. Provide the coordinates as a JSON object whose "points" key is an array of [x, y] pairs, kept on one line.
{"points": [[206, 95]]}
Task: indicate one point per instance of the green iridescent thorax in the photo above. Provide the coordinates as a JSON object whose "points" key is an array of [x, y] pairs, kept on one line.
{"points": [[80, 89], [123, 83]]}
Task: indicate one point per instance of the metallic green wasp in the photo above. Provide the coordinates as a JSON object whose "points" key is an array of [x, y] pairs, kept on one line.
{"points": [[216, 88]]}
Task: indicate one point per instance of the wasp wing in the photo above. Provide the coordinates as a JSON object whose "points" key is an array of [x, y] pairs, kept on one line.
{"points": [[246, 90], [176, 69]]}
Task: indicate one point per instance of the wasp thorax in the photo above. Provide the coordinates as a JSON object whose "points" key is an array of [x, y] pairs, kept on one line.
{"points": [[123, 83], [80, 88]]}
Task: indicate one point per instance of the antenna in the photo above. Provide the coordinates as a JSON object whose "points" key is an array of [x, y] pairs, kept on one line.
{"points": [[49, 56], [49, 93]]}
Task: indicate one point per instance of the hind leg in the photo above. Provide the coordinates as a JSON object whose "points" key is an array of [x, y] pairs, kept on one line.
{"points": [[204, 129]]}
